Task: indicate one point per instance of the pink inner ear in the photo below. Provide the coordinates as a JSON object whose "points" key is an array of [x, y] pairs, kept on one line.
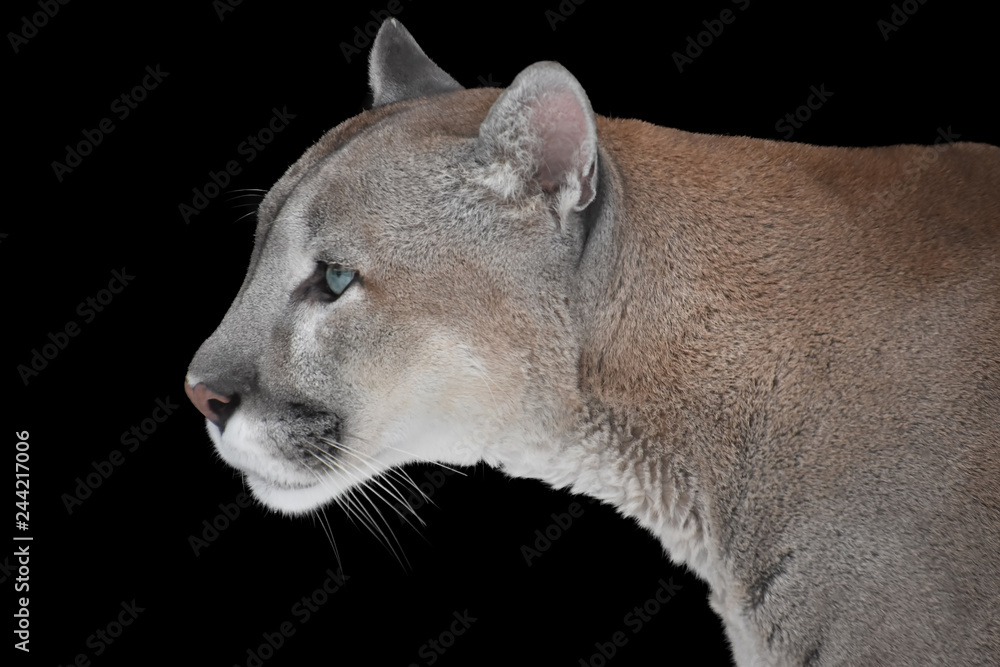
{"points": [[560, 123]]}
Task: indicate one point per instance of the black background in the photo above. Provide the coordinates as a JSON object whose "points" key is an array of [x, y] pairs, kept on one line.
{"points": [[130, 539]]}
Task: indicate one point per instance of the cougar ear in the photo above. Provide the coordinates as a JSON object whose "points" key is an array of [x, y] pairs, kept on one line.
{"points": [[541, 130], [398, 69]]}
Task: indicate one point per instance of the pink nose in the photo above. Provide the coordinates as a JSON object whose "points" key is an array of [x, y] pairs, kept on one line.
{"points": [[202, 397]]}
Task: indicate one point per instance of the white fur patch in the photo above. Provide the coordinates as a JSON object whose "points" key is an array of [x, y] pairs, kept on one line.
{"points": [[503, 179]]}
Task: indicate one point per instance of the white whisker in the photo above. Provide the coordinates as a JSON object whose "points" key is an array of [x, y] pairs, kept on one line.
{"points": [[327, 461], [384, 474], [390, 490], [374, 524], [402, 476], [354, 505], [425, 460]]}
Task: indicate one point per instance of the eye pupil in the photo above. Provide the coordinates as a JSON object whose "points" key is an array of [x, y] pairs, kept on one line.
{"points": [[338, 279]]}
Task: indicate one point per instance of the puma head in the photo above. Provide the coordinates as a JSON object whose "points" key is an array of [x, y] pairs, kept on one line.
{"points": [[409, 293]]}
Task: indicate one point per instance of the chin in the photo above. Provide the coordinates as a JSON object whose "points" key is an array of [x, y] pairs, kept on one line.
{"points": [[277, 484], [291, 500]]}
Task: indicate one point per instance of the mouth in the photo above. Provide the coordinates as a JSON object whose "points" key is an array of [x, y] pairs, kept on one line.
{"points": [[288, 498], [257, 480], [273, 480]]}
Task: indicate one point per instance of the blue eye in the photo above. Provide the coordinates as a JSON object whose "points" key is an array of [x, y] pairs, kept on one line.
{"points": [[338, 279]]}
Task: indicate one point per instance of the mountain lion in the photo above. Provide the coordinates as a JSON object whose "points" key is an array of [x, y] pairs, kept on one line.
{"points": [[783, 360]]}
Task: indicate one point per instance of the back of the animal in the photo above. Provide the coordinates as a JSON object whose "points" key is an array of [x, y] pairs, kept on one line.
{"points": [[898, 393]]}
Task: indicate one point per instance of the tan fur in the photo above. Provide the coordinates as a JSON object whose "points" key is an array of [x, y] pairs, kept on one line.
{"points": [[821, 365], [784, 360]]}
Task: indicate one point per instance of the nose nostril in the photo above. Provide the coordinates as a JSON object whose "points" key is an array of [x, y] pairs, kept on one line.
{"points": [[217, 408], [223, 408]]}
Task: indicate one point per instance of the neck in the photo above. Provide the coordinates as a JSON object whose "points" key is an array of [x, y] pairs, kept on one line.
{"points": [[617, 459]]}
